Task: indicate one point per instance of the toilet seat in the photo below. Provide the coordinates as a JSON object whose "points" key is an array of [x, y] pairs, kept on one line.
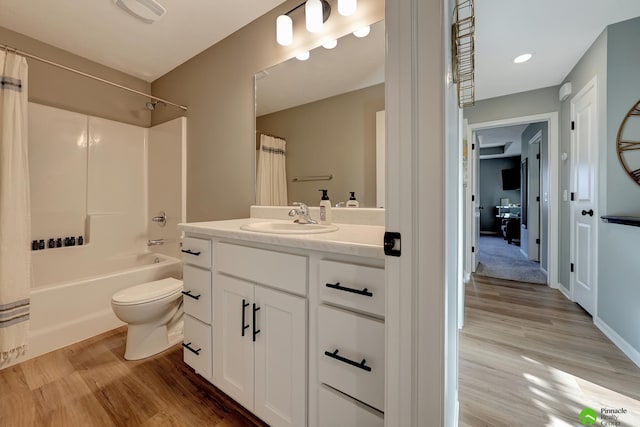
{"points": [[148, 292]]}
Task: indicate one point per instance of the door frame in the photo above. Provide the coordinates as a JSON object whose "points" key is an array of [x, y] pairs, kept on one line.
{"points": [[590, 85], [551, 118]]}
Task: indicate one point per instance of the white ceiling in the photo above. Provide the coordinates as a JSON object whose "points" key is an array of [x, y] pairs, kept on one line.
{"points": [[557, 31], [505, 136], [100, 31]]}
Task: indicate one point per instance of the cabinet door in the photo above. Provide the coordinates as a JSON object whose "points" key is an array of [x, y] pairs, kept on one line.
{"points": [[233, 343], [280, 358]]}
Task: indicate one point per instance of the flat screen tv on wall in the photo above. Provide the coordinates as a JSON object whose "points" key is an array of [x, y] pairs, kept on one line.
{"points": [[511, 179]]}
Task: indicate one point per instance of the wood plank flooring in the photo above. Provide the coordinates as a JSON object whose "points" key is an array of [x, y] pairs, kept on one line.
{"points": [[530, 357], [90, 384]]}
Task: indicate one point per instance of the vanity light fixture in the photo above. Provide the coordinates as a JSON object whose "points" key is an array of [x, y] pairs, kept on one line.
{"points": [[347, 7], [330, 44], [303, 56], [313, 15], [316, 14], [284, 30], [522, 58], [362, 32]]}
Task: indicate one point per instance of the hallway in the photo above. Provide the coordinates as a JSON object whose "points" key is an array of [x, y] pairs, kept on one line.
{"points": [[530, 357]]}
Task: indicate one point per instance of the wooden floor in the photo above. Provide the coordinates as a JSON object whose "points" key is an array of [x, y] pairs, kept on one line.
{"points": [[90, 384], [530, 357]]}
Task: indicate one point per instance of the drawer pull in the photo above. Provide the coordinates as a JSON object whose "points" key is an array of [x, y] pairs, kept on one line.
{"points": [[245, 304], [188, 347], [189, 294], [339, 287], [361, 365], [255, 331], [190, 252]]}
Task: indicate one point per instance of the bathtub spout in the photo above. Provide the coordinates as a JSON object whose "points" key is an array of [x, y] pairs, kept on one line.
{"points": [[155, 242]]}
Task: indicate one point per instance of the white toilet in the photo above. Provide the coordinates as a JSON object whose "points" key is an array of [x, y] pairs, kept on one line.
{"points": [[153, 311]]}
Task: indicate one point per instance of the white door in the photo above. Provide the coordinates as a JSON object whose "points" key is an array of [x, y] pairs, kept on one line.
{"points": [[584, 212], [280, 358], [233, 338], [475, 161], [533, 204]]}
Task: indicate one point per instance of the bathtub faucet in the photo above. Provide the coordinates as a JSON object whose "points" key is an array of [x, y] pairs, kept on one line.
{"points": [[155, 242]]}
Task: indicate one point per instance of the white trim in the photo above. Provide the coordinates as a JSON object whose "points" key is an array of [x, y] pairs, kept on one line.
{"points": [[620, 342], [554, 182], [536, 138], [563, 290], [544, 271]]}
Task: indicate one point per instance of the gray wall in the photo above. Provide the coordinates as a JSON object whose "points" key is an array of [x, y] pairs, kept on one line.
{"points": [[336, 136], [218, 87], [55, 87], [618, 267], [594, 62], [517, 105], [491, 190]]}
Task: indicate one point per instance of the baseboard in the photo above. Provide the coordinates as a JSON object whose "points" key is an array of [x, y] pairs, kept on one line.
{"points": [[620, 342], [559, 286], [544, 271], [456, 415], [526, 255]]}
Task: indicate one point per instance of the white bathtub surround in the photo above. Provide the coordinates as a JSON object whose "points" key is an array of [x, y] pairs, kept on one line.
{"points": [[15, 230], [360, 216]]}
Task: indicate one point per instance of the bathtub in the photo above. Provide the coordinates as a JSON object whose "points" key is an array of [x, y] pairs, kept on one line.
{"points": [[66, 312]]}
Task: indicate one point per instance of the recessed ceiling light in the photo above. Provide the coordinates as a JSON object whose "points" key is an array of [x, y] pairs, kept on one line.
{"points": [[303, 56], [522, 58], [330, 44]]}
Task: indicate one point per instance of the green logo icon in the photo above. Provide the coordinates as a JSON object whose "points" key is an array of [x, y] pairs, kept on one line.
{"points": [[588, 417]]}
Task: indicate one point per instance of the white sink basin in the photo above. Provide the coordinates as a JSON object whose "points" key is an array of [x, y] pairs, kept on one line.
{"points": [[288, 228]]}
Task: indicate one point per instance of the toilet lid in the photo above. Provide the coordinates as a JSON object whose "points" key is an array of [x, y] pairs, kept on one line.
{"points": [[147, 292]]}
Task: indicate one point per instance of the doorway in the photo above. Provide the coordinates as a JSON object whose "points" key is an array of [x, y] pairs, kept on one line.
{"points": [[502, 218]]}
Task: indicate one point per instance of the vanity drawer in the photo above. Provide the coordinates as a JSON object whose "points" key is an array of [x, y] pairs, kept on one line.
{"points": [[352, 286], [197, 292], [276, 269], [357, 339], [197, 346], [337, 410], [196, 251]]}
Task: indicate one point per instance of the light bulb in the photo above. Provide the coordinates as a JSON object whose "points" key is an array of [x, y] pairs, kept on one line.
{"points": [[313, 15], [303, 56], [330, 44], [362, 32], [284, 30], [347, 7], [522, 58]]}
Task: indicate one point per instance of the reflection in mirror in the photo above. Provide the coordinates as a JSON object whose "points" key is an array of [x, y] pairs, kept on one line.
{"points": [[321, 114]]}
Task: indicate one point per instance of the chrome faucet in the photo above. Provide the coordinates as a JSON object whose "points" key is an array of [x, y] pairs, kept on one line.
{"points": [[155, 242], [304, 217]]}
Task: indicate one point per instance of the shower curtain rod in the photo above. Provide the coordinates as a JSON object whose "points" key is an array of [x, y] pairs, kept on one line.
{"points": [[82, 73]]}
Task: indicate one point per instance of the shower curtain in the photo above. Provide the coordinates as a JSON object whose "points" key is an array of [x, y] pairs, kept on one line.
{"points": [[15, 212], [272, 172]]}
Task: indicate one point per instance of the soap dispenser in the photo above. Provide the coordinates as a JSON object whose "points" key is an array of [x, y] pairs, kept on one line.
{"points": [[352, 202], [325, 208]]}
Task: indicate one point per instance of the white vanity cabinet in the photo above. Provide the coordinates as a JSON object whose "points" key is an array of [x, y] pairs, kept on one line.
{"points": [[350, 344], [260, 332], [196, 278], [295, 331]]}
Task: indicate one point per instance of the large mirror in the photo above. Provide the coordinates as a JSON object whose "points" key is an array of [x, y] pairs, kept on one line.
{"points": [[322, 114]]}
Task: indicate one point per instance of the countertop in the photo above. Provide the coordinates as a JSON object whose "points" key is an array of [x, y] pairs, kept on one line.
{"points": [[624, 220], [349, 239]]}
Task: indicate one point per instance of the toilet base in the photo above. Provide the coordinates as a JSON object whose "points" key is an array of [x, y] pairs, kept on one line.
{"points": [[144, 341]]}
